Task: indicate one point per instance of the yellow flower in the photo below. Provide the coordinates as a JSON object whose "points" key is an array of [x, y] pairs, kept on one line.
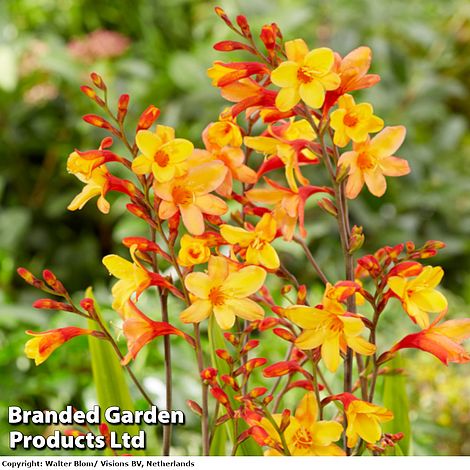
{"points": [[330, 327], [353, 121], [224, 293], [190, 196], [305, 75], [283, 143], [364, 420], [133, 278], [305, 435], [257, 242], [419, 295], [370, 161], [193, 251], [95, 186], [162, 154]]}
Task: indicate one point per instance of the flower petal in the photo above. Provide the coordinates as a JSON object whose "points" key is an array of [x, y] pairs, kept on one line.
{"points": [[330, 352], [246, 309], [196, 312], [192, 219], [387, 142], [199, 284], [224, 315], [245, 282], [287, 98], [393, 166], [285, 75], [312, 93], [148, 142]]}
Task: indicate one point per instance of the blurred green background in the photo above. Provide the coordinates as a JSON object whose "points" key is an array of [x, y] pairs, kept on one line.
{"points": [[158, 51]]}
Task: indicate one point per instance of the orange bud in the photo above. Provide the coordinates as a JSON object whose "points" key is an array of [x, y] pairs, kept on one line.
{"points": [[302, 294], [92, 95], [370, 264], [221, 13], [356, 240], [227, 46], [230, 381], [220, 396], [89, 306], [268, 36], [328, 206], [244, 26], [257, 392], [53, 282], [106, 143], [284, 334], [252, 344], [285, 420], [123, 104], [30, 279], [147, 118], [406, 269], [209, 374], [98, 81], [281, 368], [141, 212], [232, 339], [223, 354], [193, 406], [49, 304], [268, 323]]}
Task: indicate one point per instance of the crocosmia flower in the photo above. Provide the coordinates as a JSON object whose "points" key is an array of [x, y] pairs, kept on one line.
{"points": [[364, 421], [306, 75], [353, 121], [257, 241], [331, 326], [370, 161], [162, 154], [193, 251], [304, 435], [419, 296], [189, 195], [45, 343], [224, 293]]}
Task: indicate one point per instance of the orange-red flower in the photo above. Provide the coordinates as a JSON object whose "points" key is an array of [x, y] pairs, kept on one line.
{"points": [[140, 330], [189, 195], [441, 340], [370, 161], [45, 343], [288, 205]]}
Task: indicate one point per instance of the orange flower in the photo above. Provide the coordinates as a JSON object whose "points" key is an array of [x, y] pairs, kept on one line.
{"points": [[224, 293], [257, 242], [45, 343], [193, 251], [133, 279], [189, 195], [304, 435], [287, 143], [162, 154], [331, 327], [442, 341], [364, 421], [370, 161], [353, 121], [352, 70], [140, 330], [305, 75], [419, 295], [289, 205]]}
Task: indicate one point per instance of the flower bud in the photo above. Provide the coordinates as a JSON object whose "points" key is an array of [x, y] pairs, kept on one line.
{"points": [[98, 81], [193, 406], [123, 104], [356, 240], [328, 206], [147, 118]]}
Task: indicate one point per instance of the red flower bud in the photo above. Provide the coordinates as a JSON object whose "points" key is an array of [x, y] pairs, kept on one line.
{"points": [[98, 81], [147, 118], [281, 368], [284, 334], [223, 354], [123, 104], [209, 374], [252, 344], [92, 95], [232, 339], [53, 282], [49, 304], [193, 406], [30, 279]]}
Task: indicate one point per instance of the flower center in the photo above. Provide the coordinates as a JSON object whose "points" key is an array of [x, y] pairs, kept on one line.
{"points": [[182, 196], [350, 120], [366, 161], [161, 158], [257, 244], [216, 296], [302, 439], [305, 75]]}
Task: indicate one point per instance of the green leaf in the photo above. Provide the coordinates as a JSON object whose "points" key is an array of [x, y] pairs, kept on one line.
{"points": [[395, 399], [227, 430], [109, 379]]}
